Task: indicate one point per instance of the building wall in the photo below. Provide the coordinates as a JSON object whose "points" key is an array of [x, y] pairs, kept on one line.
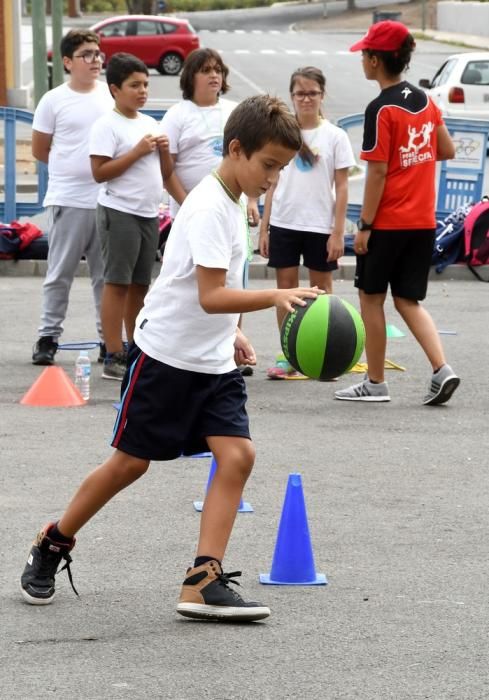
{"points": [[463, 18]]}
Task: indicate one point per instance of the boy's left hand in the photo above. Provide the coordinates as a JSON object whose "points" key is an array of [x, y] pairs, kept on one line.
{"points": [[162, 143], [244, 353]]}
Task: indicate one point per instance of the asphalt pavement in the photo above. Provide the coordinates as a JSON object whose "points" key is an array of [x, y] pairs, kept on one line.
{"points": [[398, 510]]}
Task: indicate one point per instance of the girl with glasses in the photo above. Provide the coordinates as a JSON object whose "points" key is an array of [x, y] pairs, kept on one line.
{"points": [[304, 214]]}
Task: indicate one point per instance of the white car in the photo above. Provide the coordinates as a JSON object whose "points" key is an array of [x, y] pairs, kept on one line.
{"points": [[461, 86]]}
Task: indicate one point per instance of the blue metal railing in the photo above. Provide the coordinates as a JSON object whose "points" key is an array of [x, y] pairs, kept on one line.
{"points": [[461, 180], [12, 207]]}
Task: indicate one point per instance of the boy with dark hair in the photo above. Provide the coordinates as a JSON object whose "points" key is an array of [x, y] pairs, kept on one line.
{"points": [[127, 156], [60, 129], [183, 392], [404, 136]]}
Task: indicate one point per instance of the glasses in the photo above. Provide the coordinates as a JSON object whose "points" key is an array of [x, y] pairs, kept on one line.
{"points": [[312, 94], [91, 56]]}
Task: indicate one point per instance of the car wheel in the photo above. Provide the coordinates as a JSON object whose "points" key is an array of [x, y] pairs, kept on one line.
{"points": [[170, 64]]}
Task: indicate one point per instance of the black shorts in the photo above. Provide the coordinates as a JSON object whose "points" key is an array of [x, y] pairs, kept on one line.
{"points": [[287, 246], [168, 412], [399, 258]]}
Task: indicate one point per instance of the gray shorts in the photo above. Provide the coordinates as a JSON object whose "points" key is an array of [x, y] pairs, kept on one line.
{"points": [[129, 244]]}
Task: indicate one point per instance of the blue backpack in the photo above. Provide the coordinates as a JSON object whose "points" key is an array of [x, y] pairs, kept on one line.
{"points": [[448, 247]]}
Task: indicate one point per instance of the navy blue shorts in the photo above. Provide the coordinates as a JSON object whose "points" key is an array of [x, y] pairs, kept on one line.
{"points": [[168, 412], [287, 246], [401, 259]]}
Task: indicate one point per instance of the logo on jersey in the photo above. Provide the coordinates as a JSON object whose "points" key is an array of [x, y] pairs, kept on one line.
{"points": [[406, 92], [418, 149]]}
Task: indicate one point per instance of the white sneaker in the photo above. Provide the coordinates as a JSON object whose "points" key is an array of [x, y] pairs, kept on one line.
{"points": [[364, 391], [443, 384]]}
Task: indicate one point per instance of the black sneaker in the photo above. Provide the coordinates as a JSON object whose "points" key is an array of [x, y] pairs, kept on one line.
{"points": [[115, 366], [207, 595], [44, 351], [102, 353], [37, 580]]}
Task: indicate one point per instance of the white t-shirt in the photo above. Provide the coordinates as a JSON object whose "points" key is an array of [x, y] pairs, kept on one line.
{"points": [[304, 197], [195, 135], [139, 190], [68, 115], [172, 327]]}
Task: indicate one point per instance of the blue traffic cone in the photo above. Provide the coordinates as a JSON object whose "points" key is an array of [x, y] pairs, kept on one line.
{"points": [[293, 560], [244, 506]]}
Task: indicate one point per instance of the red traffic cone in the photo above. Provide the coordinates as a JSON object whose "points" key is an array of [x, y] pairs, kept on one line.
{"points": [[53, 387]]}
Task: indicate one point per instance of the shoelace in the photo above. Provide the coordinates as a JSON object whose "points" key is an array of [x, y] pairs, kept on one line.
{"points": [[226, 579], [68, 560]]}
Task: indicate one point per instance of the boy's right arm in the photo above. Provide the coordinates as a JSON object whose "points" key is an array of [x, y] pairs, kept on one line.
{"points": [[216, 298], [41, 145], [105, 168]]}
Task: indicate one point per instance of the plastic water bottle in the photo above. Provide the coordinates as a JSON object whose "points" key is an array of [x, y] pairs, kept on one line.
{"points": [[82, 374]]}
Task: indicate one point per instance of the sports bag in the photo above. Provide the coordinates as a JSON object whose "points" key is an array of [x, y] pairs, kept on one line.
{"points": [[476, 235], [15, 237], [448, 247]]}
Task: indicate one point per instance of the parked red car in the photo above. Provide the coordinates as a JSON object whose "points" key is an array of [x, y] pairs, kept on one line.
{"points": [[160, 42]]}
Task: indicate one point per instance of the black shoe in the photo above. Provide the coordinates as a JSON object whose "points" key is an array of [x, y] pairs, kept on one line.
{"points": [[37, 580], [44, 351], [246, 370], [206, 595], [102, 353]]}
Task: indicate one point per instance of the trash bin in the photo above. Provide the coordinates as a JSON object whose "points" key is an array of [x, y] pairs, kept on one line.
{"points": [[380, 16]]}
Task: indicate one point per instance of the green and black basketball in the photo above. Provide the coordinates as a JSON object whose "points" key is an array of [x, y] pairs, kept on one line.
{"points": [[323, 339]]}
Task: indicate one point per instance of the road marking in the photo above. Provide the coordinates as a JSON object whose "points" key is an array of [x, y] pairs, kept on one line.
{"points": [[242, 51], [246, 80], [293, 52]]}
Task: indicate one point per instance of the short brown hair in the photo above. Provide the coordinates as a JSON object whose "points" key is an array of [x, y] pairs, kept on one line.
{"points": [[194, 62], [75, 38], [260, 120]]}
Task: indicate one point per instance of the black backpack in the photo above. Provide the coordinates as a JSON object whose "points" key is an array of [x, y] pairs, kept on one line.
{"points": [[448, 247]]}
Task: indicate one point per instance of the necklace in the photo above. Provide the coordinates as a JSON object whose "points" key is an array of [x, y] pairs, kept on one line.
{"points": [[240, 204], [216, 140]]}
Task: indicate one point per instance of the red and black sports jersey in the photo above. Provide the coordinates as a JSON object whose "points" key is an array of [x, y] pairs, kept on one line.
{"points": [[400, 129]]}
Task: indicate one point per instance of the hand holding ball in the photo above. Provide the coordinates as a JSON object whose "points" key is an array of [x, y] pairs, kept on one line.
{"points": [[324, 338]]}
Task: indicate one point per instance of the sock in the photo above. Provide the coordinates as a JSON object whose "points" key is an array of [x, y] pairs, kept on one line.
{"points": [[57, 536], [437, 370], [203, 560]]}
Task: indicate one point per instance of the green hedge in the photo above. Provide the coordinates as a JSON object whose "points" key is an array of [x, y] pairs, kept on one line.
{"points": [[120, 6]]}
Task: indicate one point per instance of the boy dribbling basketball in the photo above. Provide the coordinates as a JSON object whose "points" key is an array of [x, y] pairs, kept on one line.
{"points": [[187, 346]]}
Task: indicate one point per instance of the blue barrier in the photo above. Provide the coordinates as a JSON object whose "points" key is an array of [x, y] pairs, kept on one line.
{"points": [[12, 207], [461, 180]]}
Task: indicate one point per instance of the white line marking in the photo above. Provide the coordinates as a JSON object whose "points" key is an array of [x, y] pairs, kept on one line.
{"points": [[293, 52], [246, 80], [242, 51]]}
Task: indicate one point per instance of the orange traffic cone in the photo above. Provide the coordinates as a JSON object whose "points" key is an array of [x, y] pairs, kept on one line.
{"points": [[53, 388]]}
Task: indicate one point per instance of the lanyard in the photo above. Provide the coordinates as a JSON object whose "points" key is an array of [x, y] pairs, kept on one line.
{"points": [[237, 201]]}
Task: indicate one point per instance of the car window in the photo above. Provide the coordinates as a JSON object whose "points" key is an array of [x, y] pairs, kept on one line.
{"points": [[168, 28], [114, 29], [443, 74], [147, 28], [476, 73]]}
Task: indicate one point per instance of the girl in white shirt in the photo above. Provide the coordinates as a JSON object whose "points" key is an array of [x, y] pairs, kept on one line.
{"points": [[304, 214], [195, 127]]}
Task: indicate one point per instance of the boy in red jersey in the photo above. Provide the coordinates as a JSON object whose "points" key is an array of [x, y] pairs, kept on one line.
{"points": [[404, 136]]}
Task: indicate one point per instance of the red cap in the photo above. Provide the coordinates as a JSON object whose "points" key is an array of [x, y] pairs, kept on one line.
{"points": [[383, 36]]}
